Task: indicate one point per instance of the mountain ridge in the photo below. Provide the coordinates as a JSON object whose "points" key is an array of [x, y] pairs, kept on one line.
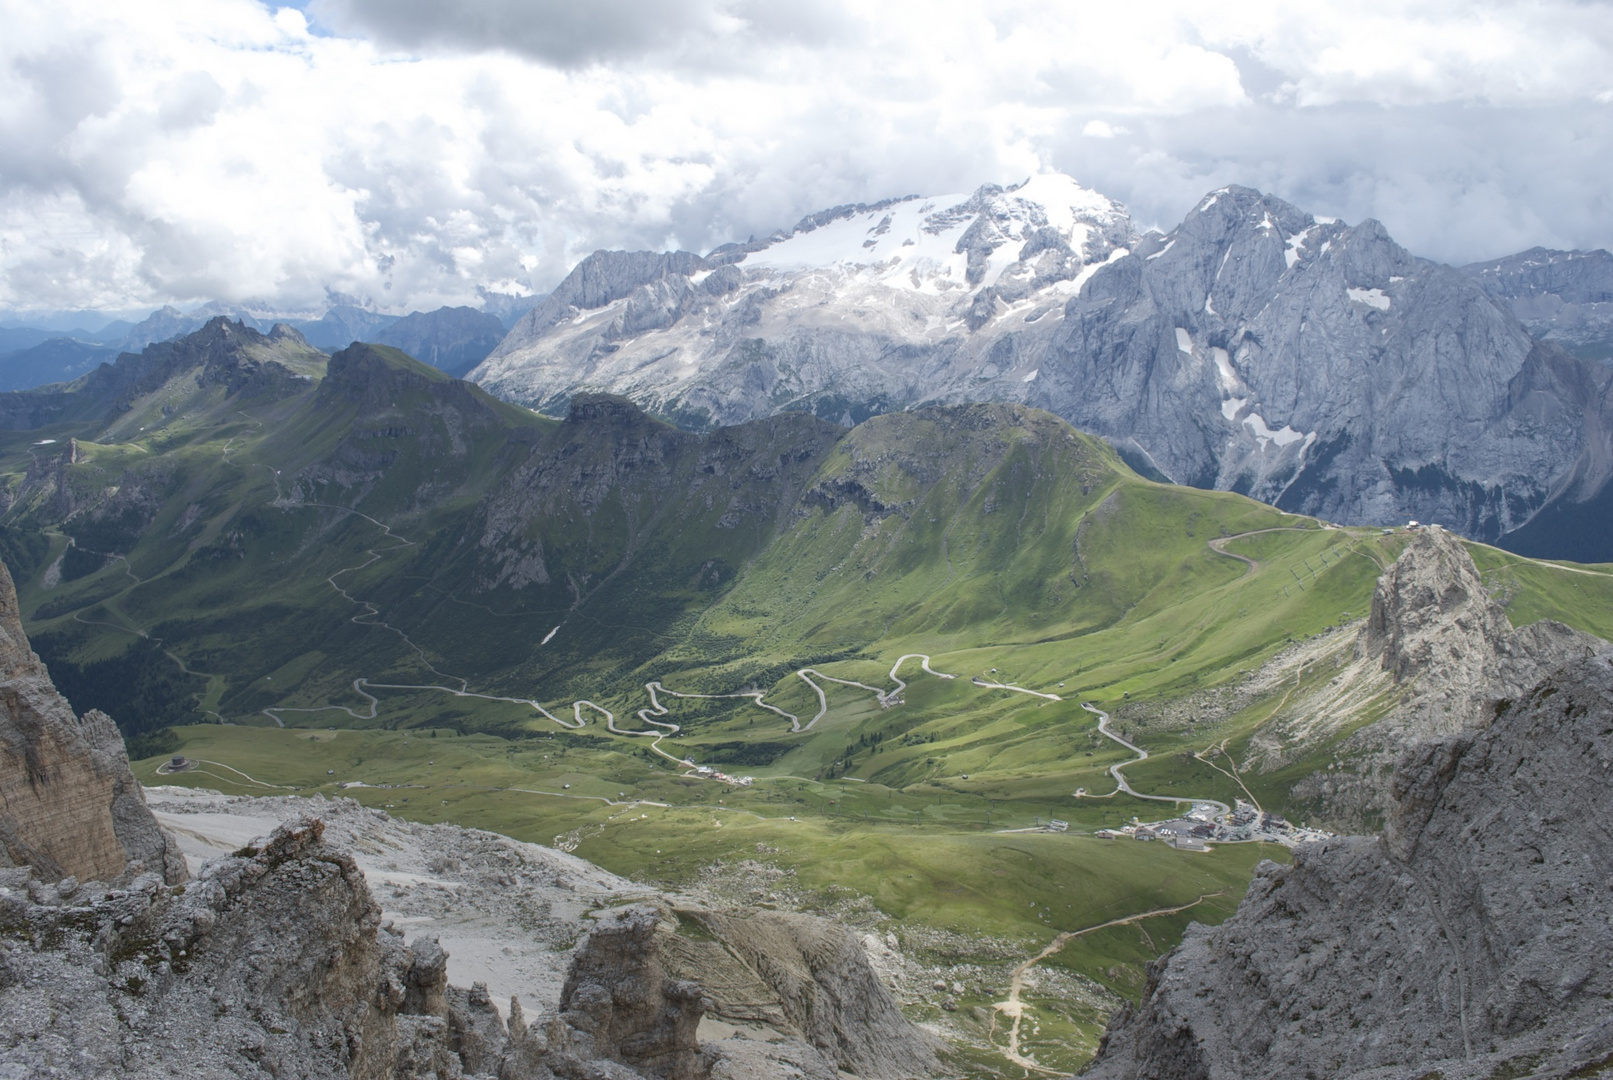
{"points": [[1255, 348]]}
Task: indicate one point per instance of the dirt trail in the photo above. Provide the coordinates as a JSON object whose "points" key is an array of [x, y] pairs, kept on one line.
{"points": [[1299, 680], [1014, 1009]]}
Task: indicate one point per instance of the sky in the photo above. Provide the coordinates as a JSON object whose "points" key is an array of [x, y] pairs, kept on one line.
{"points": [[411, 152]]}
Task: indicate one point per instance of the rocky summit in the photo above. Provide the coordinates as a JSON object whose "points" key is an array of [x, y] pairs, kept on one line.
{"points": [[1312, 364], [1470, 939]]}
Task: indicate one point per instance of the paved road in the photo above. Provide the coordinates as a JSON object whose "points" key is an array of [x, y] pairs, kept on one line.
{"points": [[1142, 755], [1219, 544]]}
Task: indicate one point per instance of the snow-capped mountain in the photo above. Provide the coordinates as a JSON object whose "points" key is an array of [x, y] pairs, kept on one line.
{"points": [[856, 310], [1307, 362]]}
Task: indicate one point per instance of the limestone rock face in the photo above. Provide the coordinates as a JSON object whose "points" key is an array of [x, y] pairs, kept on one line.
{"points": [[1436, 656], [270, 963], [1437, 631], [644, 978], [1474, 938], [1309, 363], [69, 806], [819, 975], [274, 962], [620, 995]]}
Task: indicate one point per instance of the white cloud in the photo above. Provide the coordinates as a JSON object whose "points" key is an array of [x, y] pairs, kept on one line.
{"points": [[194, 149]]}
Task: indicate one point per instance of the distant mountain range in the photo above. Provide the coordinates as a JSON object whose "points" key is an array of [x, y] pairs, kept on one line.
{"points": [[1256, 348], [1312, 364], [453, 339]]}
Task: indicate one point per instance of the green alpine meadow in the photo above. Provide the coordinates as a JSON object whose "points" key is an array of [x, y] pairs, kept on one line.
{"points": [[873, 659]]}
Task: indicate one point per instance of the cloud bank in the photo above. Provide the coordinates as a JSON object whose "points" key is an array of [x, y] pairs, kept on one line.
{"points": [[411, 150]]}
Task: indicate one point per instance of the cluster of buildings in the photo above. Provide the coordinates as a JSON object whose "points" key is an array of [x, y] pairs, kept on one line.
{"points": [[706, 772], [1206, 824]]}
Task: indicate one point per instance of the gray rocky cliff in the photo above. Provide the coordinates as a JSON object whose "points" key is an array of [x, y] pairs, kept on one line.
{"points": [[1472, 939], [275, 961], [1306, 362], [1436, 656], [800, 986], [1563, 296], [69, 805], [807, 978], [1437, 631], [269, 963]]}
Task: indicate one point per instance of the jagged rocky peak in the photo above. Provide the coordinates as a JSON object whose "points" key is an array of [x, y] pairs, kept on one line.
{"points": [[1309, 363], [145, 388], [1431, 614], [1473, 940], [1449, 644], [240, 358], [69, 805], [602, 278], [1438, 654]]}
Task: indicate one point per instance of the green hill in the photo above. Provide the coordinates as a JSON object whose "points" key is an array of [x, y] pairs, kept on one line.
{"points": [[310, 574]]}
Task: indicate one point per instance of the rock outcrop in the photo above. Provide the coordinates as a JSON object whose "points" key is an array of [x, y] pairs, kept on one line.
{"points": [[1474, 938], [275, 961], [800, 987], [1436, 656], [270, 963], [1438, 633], [69, 806], [613, 971], [805, 978]]}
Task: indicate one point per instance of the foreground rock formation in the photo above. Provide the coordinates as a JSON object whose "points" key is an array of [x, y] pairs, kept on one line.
{"points": [[1474, 938], [275, 962], [69, 806]]}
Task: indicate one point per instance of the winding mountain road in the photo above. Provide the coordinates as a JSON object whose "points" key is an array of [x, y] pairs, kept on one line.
{"points": [[1142, 755], [1219, 544]]}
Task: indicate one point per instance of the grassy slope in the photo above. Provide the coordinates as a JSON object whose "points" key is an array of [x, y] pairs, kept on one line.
{"points": [[1006, 546]]}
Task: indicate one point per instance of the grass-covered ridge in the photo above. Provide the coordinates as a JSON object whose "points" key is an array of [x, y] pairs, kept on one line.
{"points": [[431, 588]]}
